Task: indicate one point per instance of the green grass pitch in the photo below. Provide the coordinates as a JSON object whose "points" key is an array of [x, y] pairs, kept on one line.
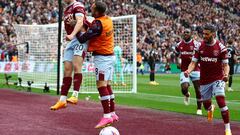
{"points": [[167, 96]]}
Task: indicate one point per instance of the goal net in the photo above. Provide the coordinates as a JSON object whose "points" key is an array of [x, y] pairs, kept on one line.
{"points": [[42, 56]]}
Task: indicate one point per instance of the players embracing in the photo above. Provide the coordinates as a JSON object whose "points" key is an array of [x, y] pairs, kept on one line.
{"points": [[75, 24], [211, 54], [184, 50]]}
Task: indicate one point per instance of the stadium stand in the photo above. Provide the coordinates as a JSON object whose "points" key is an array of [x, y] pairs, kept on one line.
{"points": [[162, 30]]}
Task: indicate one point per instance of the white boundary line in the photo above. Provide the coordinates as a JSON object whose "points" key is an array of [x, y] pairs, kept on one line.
{"points": [[168, 96]]}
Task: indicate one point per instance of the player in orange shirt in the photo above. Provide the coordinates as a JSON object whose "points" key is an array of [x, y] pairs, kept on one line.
{"points": [[101, 44]]}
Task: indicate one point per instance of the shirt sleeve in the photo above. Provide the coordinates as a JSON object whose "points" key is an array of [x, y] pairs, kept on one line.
{"points": [[94, 30], [176, 49], [79, 14], [78, 8], [224, 53], [196, 55]]}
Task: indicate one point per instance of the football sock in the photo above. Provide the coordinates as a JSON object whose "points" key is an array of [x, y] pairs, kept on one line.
{"points": [[224, 109], [227, 126], [105, 99], [230, 82], [112, 103], [67, 81], [75, 94], [63, 98], [207, 104], [77, 81]]}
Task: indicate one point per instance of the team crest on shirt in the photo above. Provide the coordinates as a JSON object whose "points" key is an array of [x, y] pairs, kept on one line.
{"points": [[215, 52], [181, 48], [191, 47], [201, 52]]}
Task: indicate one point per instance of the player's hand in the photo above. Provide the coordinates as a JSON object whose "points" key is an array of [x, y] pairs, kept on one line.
{"points": [[186, 74], [73, 22], [225, 78], [69, 37]]}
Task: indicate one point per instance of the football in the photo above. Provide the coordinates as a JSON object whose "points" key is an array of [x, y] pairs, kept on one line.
{"points": [[109, 131]]}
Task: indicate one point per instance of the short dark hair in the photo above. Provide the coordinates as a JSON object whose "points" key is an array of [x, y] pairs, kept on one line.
{"points": [[210, 27], [230, 41], [101, 7]]}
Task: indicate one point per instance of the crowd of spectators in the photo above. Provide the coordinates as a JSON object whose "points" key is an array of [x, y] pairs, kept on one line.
{"points": [[194, 14], [163, 31], [22, 12], [232, 6]]}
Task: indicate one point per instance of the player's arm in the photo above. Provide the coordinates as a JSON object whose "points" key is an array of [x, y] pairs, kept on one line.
{"points": [[177, 53], [191, 67], [225, 71], [94, 30], [178, 60], [193, 63], [225, 65], [78, 26]]}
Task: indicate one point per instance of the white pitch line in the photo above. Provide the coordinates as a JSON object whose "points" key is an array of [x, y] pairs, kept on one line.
{"points": [[168, 96]]}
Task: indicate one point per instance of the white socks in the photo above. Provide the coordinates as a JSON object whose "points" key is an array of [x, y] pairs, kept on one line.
{"points": [[75, 94], [63, 98], [113, 113], [107, 115], [227, 126]]}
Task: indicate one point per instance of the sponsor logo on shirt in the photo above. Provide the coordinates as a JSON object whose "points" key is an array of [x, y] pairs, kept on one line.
{"points": [[208, 59], [187, 53], [215, 52], [191, 47]]}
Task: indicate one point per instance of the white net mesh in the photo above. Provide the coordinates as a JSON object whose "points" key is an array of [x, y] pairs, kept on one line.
{"points": [[41, 60], [42, 57]]}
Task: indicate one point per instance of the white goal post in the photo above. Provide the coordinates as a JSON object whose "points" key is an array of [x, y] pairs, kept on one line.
{"points": [[41, 59]]}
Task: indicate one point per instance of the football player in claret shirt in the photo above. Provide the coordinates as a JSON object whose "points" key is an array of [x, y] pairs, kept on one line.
{"points": [[75, 23], [211, 54], [101, 43], [184, 50]]}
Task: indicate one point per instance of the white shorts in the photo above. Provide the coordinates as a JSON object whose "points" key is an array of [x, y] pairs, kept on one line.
{"points": [[73, 48], [195, 75], [212, 89], [104, 67]]}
